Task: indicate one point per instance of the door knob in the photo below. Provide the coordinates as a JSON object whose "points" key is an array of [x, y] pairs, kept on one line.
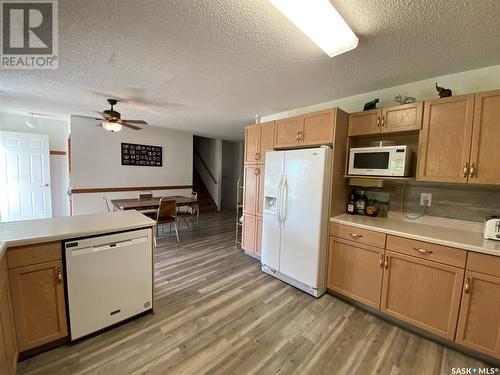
{"points": [[46, 185]]}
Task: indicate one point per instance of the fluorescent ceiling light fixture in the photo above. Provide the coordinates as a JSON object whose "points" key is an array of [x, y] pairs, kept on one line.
{"points": [[321, 22], [111, 126]]}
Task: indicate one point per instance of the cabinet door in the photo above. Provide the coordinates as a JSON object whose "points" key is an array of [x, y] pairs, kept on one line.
{"points": [[39, 304], [318, 128], [402, 118], [355, 271], [266, 140], [250, 177], [362, 123], [287, 132], [258, 236], [259, 203], [423, 293], [485, 164], [445, 139], [479, 323], [7, 333], [248, 235], [252, 144]]}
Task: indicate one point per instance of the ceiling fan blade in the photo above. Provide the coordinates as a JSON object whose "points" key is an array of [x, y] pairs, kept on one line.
{"points": [[131, 126], [142, 122], [89, 117]]}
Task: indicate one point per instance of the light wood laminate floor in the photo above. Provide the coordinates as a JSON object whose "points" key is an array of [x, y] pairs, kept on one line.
{"points": [[217, 313]]}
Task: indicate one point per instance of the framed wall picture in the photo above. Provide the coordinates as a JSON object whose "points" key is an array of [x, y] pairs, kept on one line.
{"points": [[142, 155]]}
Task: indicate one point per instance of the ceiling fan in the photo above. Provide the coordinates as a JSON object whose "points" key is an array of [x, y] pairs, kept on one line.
{"points": [[112, 121]]}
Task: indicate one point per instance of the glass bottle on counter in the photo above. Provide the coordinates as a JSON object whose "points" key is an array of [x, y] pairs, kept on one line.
{"points": [[361, 203], [371, 208], [351, 204]]}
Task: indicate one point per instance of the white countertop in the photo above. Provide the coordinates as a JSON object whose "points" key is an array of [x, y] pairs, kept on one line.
{"points": [[61, 228], [462, 239]]}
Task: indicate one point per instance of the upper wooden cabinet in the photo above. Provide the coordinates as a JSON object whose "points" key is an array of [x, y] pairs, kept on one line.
{"points": [[259, 138], [394, 119], [484, 167], [423, 293], [37, 291], [445, 139], [312, 129]]}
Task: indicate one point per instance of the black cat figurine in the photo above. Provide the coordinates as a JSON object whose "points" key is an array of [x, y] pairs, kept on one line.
{"points": [[371, 105], [442, 92]]}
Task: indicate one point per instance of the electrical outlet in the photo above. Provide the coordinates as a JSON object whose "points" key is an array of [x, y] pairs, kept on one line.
{"points": [[425, 199]]}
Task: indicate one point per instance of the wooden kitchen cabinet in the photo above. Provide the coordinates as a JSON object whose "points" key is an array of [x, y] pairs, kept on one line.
{"points": [[423, 293], [355, 270], [8, 344], [479, 322], [364, 123], [38, 302], [445, 139], [401, 118], [253, 192], [259, 138], [484, 167], [249, 233], [287, 132], [258, 235]]}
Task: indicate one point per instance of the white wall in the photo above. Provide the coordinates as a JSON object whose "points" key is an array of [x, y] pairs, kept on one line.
{"points": [[58, 131], [460, 83], [210, 150], [96, 163]]}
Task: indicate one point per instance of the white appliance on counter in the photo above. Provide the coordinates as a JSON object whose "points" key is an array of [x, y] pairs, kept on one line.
{"points": [[492, 228], [380, 161], [295, 217], [109, 279]]}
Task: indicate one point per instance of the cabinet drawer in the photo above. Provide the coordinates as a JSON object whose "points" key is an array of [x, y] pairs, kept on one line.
{"points": [[425, 250], [34, 254], [488, 264], [358, 235]]}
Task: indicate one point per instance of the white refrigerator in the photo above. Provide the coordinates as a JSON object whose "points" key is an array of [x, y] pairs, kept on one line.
{"points": [[295, 217]]}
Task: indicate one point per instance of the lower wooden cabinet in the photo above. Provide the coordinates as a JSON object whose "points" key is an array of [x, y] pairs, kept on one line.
{"points": [[248, 233], [423, 293], [8, 346], [355, 270], [479, 322], [258, 236], [38, 302]]}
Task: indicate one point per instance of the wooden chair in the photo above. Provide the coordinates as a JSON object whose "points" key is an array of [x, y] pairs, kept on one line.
{"points": [[147, 195], [188, 212], [167, 214]]}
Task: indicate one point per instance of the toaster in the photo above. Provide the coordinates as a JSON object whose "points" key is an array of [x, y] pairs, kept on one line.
{"points": [[492, 228]]}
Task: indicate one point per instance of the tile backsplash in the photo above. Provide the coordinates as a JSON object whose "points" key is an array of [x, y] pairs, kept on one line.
{"points": [[454, 201]]}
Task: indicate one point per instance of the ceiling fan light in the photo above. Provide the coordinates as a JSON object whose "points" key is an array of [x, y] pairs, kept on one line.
{"points": [[111, 126], [321, 22]]}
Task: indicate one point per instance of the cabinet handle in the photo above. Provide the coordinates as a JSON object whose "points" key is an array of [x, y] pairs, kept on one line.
{"points": [[59, 274], [386, 263], [472, 170], [301, 136], [422, 251], [257, 171], [467, 286], [298, 136], [355, 235], [257, 156], [381, 262], [466, 169], [378, 122], [383, 117]]}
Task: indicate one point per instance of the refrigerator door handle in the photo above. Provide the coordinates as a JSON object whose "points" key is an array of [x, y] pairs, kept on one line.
{"points": [[278, 202], [284, 199]]}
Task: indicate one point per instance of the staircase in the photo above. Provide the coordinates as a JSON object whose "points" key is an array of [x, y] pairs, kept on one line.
{"points": [[205, 201]]}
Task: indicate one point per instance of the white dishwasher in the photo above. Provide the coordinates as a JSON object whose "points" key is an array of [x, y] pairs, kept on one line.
{"points": [[109, 278]]}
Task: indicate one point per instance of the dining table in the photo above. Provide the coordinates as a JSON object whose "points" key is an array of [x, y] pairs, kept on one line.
{"points": [[153, 203]]}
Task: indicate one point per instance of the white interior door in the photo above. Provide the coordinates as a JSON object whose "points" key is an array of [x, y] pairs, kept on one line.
{"points": [[304, 215], [24, 176]]}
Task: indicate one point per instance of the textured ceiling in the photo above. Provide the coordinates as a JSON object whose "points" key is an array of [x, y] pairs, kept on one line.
{"points": [[209, 66]]}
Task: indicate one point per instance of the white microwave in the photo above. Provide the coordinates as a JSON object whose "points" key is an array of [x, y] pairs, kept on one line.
{"points": [[380, 161]]}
